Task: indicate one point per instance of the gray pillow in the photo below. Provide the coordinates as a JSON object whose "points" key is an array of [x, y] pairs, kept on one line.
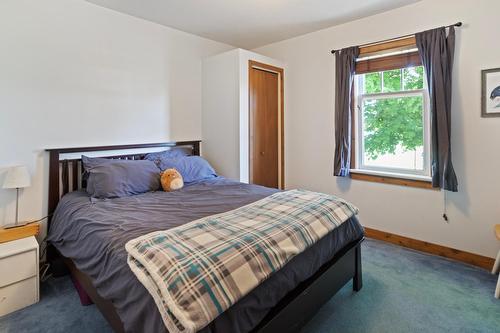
{"points": [[109, 178], [158, 157], [192, 168]]}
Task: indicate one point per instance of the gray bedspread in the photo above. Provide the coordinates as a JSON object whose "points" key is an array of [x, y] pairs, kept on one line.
{"points": [[93, 234]]}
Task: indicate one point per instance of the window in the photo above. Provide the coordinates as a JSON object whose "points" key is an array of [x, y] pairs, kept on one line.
{"points": [[391, 112]]}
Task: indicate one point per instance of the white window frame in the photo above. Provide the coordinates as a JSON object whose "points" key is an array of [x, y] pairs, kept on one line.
{"points": [[360, 97]]}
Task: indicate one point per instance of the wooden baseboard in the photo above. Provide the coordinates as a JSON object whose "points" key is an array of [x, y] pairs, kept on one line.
{"points": [[443, 251]]}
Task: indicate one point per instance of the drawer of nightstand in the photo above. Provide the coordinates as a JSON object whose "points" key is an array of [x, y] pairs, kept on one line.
{"points": [[18, 295], [17, 267]]}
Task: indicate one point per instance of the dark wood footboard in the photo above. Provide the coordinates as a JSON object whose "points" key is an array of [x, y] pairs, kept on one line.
{"points": [[291, 313], [302, 303]]}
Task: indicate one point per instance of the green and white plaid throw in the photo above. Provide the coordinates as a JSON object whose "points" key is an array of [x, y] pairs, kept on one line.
{"points": [[198, 270]]}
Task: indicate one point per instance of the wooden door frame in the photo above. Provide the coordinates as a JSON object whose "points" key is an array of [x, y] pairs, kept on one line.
{"points": [[281, 147]]}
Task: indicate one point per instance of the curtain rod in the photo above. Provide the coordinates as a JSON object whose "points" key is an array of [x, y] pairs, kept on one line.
{"points": [[458, 24]]}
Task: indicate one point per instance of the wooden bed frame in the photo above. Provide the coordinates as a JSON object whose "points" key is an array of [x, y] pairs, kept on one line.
{"points": [[291, 313]]}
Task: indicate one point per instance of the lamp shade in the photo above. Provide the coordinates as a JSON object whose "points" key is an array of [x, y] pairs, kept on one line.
{"points": [[17, 177]]}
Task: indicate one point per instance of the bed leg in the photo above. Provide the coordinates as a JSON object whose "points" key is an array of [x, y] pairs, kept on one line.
{"points": [[357, 280]]}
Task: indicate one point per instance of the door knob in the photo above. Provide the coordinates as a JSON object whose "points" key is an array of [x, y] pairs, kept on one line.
{"points": [[262, 153]]}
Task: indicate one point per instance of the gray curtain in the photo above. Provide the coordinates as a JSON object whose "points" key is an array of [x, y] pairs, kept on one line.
{"points": [[345, 64], [436, 51]]}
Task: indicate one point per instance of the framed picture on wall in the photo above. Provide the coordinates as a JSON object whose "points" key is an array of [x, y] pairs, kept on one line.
{"points": [[490, 92]]}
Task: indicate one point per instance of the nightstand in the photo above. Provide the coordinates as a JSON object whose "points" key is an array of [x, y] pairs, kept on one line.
{"points": [[19, 286]]}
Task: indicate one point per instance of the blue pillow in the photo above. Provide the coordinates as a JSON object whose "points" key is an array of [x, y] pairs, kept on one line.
{"points": [[113, 178], [157, 157], [192, 168]]}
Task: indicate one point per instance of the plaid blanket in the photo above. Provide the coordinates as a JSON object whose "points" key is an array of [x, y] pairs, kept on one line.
{"points": [[196, 271]]}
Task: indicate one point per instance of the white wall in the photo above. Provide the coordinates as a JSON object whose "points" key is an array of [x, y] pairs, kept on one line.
{"points": [[75, 74], [416, 213], [220, 119], [225, 111]]}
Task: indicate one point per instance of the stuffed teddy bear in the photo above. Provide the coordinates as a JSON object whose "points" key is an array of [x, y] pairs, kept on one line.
{"points": [[171, 180]]}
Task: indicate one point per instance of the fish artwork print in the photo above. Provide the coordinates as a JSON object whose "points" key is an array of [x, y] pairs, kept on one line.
{"points": [[495, 96]]}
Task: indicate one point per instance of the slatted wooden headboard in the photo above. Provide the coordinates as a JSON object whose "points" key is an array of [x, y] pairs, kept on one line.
{"points": [[65, 174]]}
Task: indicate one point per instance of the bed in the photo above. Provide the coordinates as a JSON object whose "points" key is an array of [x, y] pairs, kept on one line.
{"points": [[89, 238]]}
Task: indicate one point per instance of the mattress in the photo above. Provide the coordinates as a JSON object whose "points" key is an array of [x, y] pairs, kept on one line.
{"points": [[93, 233]]}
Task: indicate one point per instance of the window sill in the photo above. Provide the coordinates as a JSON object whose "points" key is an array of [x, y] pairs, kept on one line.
{"points": [[392, 178]]}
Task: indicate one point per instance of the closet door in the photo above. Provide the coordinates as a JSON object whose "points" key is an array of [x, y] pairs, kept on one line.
{"points": [[265, 126]]}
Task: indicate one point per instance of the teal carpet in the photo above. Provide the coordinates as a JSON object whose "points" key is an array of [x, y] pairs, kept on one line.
{"points": [[408, 291], [403, 291]]}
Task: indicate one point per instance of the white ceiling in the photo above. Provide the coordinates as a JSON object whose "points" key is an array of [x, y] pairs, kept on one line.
{"points": [[250, 23]]}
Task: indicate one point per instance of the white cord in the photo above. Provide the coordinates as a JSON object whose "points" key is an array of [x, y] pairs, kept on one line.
{"points": [[43, 271], [445, 216]]}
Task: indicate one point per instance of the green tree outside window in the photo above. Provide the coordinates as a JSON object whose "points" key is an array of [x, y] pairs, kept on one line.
{"points": [[393, 122]]}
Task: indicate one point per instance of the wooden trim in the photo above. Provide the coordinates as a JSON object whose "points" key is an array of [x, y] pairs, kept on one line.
{"points": [[439, 250], [384, 46], [393, 180], [28, 230], [280, 71], [256, 64], [396, 61]]}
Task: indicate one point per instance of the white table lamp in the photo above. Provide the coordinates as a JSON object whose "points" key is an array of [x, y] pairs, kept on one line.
{"points": [[17, 177]]}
